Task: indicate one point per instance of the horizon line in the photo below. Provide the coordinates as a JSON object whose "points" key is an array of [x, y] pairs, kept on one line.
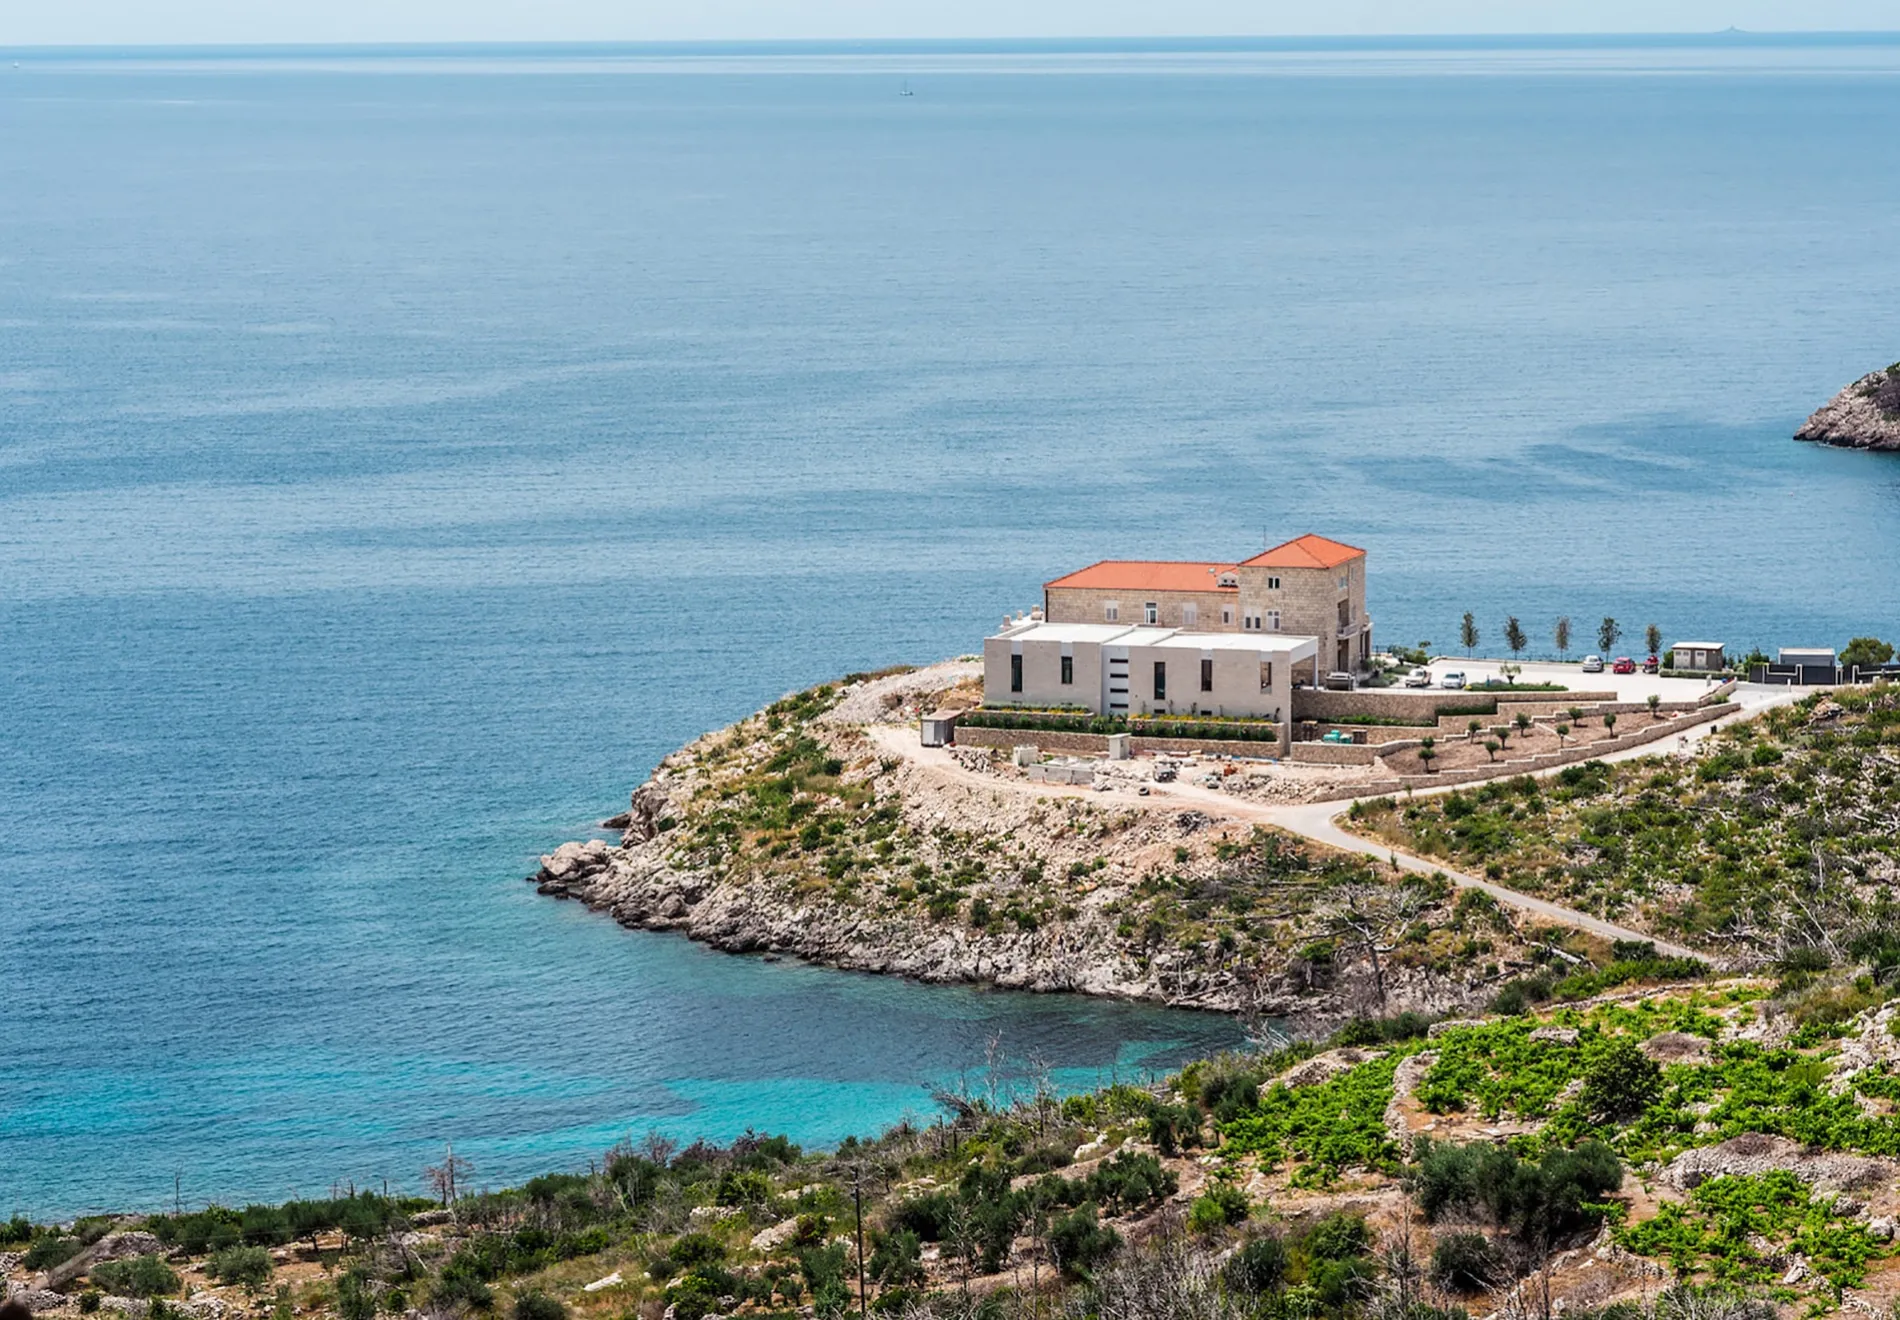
{"points": [[780, 44]]}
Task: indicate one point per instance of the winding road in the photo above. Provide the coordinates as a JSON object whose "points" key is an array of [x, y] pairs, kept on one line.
{"points": [[1318, 821]]}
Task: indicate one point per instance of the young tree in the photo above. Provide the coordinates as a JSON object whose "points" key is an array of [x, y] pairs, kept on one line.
{"points": [[1608, 633], [1472, 729], [1563, 732], [1655, 703], [1427, 752], [1514, 635], [1609, 722], [1522, 721], [1563, 636], [1468, 632], [1866, 651], [1652, 637], [1492, 747]]}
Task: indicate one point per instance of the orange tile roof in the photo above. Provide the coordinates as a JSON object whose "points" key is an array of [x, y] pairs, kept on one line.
{"points": [[1146, 575], [1307, 551]]}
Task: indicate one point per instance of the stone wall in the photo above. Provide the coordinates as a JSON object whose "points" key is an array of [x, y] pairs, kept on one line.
{"points": [[1530, 764], [1089, 605], [1096, 744]]}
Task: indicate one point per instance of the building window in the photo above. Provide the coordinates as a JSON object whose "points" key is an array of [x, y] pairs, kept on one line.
{"points": [[1151, 613], [1345, 580], [1015, 673], [1273, 621], [1112, 612], [1190, 615], [1207, 674], [1273, 584], [1227, 615], [1068, 669], [1266, 675], [1161, 680], [1251, 621]]}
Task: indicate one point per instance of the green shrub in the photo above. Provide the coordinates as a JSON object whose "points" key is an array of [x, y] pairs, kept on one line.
{"points": [[1079, 1241], [1257, 1268], [50, 1250], [1221, 1205], [897, 1259], [1621, 1082], [249, 1267], [1338, 1237], [1465, 1263], [140, 1276], [89, 1301], [1557, 1195], [536, 1305], [15, 1231]]}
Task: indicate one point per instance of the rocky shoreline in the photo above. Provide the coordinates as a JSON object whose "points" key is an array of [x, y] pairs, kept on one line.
{"points": [[1865, 415], [880, 866]]}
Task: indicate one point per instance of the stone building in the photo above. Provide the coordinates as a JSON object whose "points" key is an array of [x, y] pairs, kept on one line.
{"points": [[1307, 587]]}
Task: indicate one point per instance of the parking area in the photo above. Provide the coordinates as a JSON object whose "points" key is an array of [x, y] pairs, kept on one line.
{"points": [[1627, 687]]}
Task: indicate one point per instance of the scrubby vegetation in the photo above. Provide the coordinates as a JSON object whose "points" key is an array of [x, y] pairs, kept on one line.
{"points": [[1403, 1169], [1781, 841]]}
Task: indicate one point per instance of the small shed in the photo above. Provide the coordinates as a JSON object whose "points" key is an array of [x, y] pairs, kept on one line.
{"points": [[939, 727], [1809, 657], [1704, 657]]}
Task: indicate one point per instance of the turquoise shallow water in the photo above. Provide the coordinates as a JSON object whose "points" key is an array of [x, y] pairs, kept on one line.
{"points": [[400, 452]]}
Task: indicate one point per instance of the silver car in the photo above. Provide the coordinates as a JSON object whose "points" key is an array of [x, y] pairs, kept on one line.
{"points": [[1454, 679]]}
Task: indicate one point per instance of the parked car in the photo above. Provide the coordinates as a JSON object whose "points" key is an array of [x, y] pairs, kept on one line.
{"points": [[1340, 681], [1652, 665], [1453, 679], [1593, 664], [1419, 678], [1623, 665]]}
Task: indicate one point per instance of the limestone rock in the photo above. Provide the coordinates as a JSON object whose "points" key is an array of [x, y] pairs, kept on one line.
{"points": [[1865, 415]]}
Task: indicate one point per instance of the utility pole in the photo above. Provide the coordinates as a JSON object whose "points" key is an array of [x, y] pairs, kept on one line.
{"points": [[857, 1202]]}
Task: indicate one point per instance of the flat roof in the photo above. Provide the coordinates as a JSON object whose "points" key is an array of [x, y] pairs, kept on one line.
{"points": [[1121, 634], [1695, 646], [1040, 630], [1147, 575]]}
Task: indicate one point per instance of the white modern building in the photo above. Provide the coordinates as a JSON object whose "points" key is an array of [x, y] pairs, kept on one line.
{"points": [[1112, 669]]}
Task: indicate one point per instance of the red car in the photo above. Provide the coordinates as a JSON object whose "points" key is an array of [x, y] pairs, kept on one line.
{"points": [[1652, 665], [1623, 665]]}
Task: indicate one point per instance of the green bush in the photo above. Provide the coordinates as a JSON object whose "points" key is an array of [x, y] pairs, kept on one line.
{"points": [[90, 1300], [1465, 1263], [536, 1305], [1257, 1268], [1079, 1241], [16, 1230], [1338, 1237], [140, 1276], [50, 1250], [249, 1267], [897, 1259], [1621, 1082], [1555, 1196], [1221, 1205]]}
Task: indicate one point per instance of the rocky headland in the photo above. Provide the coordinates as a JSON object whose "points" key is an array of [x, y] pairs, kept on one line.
{"points": [[798, 832], [1865, 415]]}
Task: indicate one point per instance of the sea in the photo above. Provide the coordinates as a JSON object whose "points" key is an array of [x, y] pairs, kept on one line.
{"points": [[402, 449]]}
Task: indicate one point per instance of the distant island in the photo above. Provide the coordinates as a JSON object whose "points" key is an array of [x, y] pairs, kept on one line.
{"points": [[1865, 415]]}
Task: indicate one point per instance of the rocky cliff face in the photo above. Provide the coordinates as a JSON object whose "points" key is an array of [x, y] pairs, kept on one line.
{"points": [[1865, 415], [795, 833]]}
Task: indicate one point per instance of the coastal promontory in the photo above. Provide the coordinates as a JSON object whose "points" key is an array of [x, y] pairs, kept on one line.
{"points": [[1865, 415]]}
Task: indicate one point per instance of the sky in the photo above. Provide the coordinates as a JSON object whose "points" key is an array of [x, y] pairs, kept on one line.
{"points": [[194, 22]]}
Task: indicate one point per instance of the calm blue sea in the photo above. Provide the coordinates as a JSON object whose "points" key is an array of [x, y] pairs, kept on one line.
{"points": [[401, 450]]}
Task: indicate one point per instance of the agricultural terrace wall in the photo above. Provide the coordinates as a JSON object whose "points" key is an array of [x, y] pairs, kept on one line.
{"points": [[1320, 704], [1526, 765]]}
